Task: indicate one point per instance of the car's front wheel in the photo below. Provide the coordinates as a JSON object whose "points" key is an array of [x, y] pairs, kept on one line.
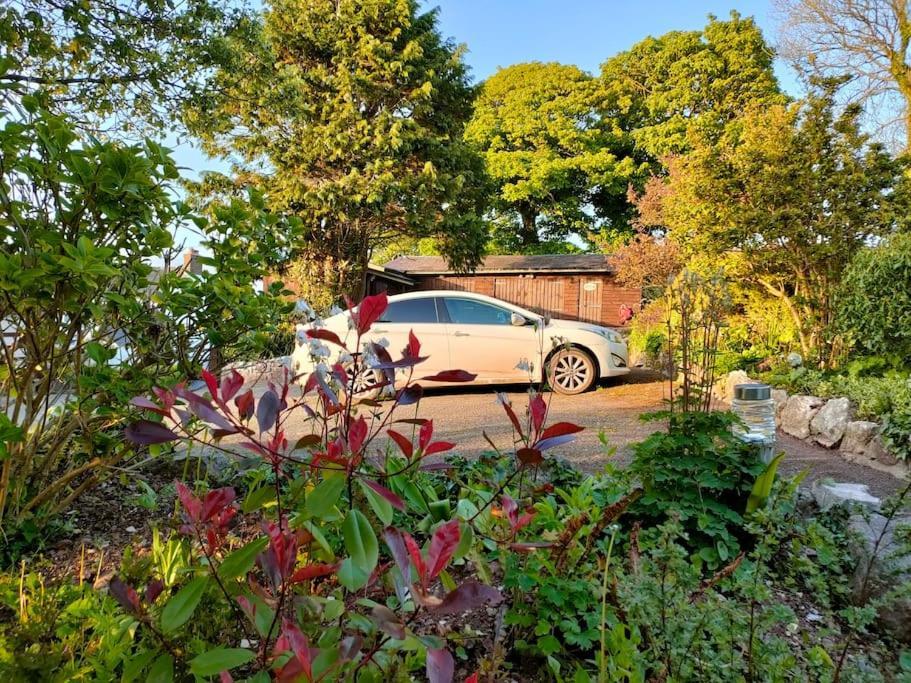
{"points": [[571, 371], [364, 384]]}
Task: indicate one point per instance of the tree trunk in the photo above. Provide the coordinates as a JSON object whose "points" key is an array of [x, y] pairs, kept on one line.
{"points": [[529, 232]]}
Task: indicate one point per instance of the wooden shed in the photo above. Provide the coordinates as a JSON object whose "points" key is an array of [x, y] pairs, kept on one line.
{"points": [[571, 286]]}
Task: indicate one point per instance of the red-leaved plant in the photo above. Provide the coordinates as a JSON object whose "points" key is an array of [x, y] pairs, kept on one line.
{"points": [[300, 612]]}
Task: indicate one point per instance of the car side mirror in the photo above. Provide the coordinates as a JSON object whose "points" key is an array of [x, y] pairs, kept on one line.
{"points": [[517, 320]]}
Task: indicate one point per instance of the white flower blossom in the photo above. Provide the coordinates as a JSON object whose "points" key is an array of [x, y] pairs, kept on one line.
{"points": [[382, 341], [302, 308], [335, 310], [345, 357], [318, 349]]}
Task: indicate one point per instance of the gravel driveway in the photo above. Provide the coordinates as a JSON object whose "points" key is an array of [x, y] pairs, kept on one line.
{"points": [[462, 414]]}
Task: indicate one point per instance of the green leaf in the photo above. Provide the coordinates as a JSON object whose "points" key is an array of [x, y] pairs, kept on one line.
{"points": [[257, 498], [241, 560], [762, 487], [222, 659], [162, 670], [324, 497], [363, 551], [180, 608], [380, 506]]}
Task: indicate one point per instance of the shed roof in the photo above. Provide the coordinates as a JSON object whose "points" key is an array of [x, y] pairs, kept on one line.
{"points": [[540, 263]]}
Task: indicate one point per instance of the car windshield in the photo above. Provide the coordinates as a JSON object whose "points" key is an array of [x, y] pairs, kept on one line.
{"points": [[471, 312]]}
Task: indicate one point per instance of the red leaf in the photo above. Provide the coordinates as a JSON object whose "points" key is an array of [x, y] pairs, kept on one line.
{"points": [[393, 499], [439, 447], [125, 595], [231, 384], [544, 444], [153, 590], [511, 509], [561, 429], [299, 646], [451, 376], [388, 622], [538, 410], [415, 552], [507, 406], [529, 456], [312, 571], [225, 677], [473, 678], [146, 433], [244, 404], [413, 349], [205, 412], [409, 395], [267, 410], [325, 335], [402, 442], [211, 383], [440, 666], [148, 404], [418, 421], [216, 501], [357, 434], [396, 544], [470, 595], [191, 504], [425, 434], [370, 310], [442, 547]]}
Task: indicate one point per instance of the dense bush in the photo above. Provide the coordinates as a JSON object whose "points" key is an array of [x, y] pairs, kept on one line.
{"points": [[874, 301]]}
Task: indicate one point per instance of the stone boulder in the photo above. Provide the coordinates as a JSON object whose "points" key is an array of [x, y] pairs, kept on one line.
{"points": [[876, 450], [780, 398], [724, 387], [261, 371], [828, 425], [829, 494], [881, 566], [797, 414], [858, 435]]}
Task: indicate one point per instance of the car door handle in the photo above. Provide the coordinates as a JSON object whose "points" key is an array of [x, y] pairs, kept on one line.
{"points": [[461, 334]]}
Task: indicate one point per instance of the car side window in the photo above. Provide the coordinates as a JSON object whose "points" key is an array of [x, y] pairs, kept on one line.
{"points": [[471, 312], [410, 311]]}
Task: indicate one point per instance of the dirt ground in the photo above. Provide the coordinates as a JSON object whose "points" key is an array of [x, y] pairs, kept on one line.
{"points": [[462, 415]]}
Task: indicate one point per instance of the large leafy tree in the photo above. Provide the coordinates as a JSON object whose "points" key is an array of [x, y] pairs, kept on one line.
{"points": [[547, 149], [788, 195], [118, 64], [663, 87], [349, 114]]}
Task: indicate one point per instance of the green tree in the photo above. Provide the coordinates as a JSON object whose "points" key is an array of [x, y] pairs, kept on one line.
{"points": [[122, 64], [663, 87], [874, 300], [789, 194], [548, 150], [349, 114]]}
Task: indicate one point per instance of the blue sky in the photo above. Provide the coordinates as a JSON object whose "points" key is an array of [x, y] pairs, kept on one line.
{"points": [[581, 32]]}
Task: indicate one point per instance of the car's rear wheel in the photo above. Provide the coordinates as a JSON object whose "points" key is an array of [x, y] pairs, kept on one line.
{"points": [[571, 371], [364, 382]]}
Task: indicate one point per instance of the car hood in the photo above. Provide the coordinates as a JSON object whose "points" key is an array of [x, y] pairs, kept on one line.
{"points": [[560, 324]]}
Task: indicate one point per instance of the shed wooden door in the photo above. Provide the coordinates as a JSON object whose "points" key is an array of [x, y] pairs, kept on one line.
{"points": [[590, 301], [543, 296]]}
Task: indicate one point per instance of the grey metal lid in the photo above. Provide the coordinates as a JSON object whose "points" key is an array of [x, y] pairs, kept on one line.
{"points": [[752, 392]]}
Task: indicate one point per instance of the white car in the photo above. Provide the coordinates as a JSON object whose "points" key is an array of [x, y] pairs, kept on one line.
{"points": [[499, 342]]}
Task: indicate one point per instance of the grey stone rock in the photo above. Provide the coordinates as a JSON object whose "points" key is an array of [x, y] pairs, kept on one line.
{"points": [[858, 435], [876, 450], [724, 387], [881, 566], [261, 371], [828, 425], [797, 414], [780, 398], [831, 494]]}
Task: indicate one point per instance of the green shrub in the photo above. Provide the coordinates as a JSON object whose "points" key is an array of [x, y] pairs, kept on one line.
{"points": [[701, 472], [874, 301]]}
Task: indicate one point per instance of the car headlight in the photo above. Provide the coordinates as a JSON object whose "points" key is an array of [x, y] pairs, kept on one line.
{"points": [[612, 336]]}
